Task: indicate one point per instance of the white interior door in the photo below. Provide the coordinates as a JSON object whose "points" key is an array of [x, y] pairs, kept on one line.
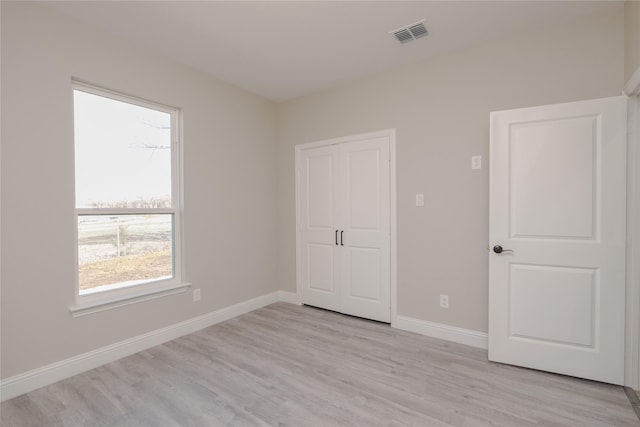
{"points": [[557, 290], [318, 205], [365, 240], [344, 241]]}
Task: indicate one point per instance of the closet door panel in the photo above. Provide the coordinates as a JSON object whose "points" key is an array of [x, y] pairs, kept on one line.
{"points": [[363, 187], [318, 227], [365, 275]]}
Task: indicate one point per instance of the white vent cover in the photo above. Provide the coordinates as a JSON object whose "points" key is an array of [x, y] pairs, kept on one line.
{"points": [[410, 32]]}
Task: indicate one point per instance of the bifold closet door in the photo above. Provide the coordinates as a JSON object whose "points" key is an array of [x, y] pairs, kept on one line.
{"points": [[344, 208]]}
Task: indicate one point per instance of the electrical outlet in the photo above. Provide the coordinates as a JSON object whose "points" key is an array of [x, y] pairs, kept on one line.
{"points": [[476, 162], [196, 295], [444, 301], [419, 199]]}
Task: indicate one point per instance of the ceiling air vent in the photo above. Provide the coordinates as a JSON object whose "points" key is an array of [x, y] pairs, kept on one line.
{"points": [[410, 32]]}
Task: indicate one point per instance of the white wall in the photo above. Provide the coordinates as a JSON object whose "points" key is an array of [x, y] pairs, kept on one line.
{"points": [[229, 188], [631, 38], [441, 111]]}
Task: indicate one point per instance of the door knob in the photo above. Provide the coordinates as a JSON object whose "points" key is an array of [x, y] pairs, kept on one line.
{"points": [[498, 249]]}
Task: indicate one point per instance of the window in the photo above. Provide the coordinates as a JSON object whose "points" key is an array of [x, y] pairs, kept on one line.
{"points": [[127, 194]]}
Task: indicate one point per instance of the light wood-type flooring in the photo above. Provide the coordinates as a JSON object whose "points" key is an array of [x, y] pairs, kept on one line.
{"points": [[287, 365]]}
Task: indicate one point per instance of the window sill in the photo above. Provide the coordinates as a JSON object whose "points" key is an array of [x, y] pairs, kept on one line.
{"points": [[111, 303]]}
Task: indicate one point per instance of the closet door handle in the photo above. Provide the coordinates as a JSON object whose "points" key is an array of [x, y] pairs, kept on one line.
{"points": [[336, 237], [341, 232], [499, 249]]}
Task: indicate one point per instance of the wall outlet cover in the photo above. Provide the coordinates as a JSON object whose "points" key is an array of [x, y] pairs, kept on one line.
{"points": [[476, 162]]}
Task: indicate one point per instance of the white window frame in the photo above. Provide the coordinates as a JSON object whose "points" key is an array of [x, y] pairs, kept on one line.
{"points": [[108, 299]]}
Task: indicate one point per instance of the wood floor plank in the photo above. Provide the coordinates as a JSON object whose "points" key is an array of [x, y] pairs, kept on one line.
{"points": [[288, 365]]}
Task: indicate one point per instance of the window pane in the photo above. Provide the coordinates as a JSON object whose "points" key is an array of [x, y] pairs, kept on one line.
{"points": [[122, 154], [123, 250]]}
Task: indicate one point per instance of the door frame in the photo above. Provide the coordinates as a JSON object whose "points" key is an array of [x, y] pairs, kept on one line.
{"points": [[391, 134], [632, 344]]}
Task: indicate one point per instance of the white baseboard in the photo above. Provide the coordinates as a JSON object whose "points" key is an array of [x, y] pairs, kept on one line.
{"points": [[290, 297], [445, 332], [40, 377]]}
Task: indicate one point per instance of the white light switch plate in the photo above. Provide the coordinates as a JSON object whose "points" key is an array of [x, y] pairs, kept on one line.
{"points": [[476, 162], [444, 301], [419, 199]]}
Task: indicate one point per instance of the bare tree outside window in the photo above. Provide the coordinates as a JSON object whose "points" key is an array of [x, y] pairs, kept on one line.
{"points": [[125, 200]]}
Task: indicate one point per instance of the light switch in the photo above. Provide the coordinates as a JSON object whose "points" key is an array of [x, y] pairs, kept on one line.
{"points": [[419, 199], [476, 162]]}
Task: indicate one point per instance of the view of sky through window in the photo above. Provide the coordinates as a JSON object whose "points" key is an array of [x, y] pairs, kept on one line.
{"points": [[122, 153]]}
